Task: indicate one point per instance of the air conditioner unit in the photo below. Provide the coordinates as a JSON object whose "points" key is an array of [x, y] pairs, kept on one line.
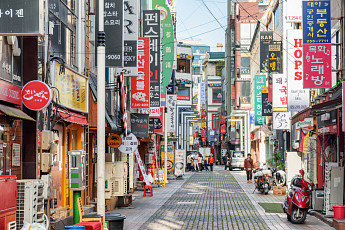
{"points": [[120, 187], [115, 179], [318, 200], [30, 202], [148, 158], [11, 225]]}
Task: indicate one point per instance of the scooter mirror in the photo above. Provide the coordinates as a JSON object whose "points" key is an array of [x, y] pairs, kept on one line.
{"points": [[301, 172]]}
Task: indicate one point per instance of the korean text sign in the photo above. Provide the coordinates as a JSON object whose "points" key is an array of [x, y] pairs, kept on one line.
{"points": [[316, 22], [259, 81], [113, 28], [266, 39], [140, 124], [171, 107], [298, 97], [281, 120], [36, 95], [157, 115], [140, 85], [151, 29], [317, 65], [279, 92], [266, 104]]}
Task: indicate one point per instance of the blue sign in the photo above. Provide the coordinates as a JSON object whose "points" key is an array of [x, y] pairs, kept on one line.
{"points": [[252, 117], [316, 22]]}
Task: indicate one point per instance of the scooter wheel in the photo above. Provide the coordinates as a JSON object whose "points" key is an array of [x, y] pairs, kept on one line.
{"points": [[288, 217], [298, 215]]}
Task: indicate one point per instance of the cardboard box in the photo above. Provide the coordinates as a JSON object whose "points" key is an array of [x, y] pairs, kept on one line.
{"points": [[277, 192], [111, 203]]}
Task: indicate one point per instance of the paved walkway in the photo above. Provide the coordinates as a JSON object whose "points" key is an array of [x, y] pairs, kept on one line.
{"points": [[208, 200]]}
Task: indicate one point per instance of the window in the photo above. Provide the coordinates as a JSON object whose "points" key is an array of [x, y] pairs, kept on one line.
{"points": [[245, 92], [183, 65], [245, 65], [277, 15], [270, 25], [217, 95], [183, 93]]}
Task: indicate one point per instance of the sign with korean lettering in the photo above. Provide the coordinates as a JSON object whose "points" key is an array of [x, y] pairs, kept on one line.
{"points": [[281, 120], [294, 11], [266, 104], [72, 87], [22, 17], [274, 58], [202, 93], [316, 22], [36, 95], [129, 144], [167, 40], [113, 28], [140, 85], [266, 39], [157, 114], [140, 124], [298, 97], [317, 66], [151, 29], [130, 33], [259, 81], [171, 115], [279, 92]]}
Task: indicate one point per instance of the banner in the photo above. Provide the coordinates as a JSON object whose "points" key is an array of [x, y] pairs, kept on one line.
{"points": [[140, 86], [294, 11], [266, 104], [180, 156], [259, 81], [171, 113], [266, 39], [142, 168], [167, 40], [297, 97], [151, 29], [317, 66], [130, 33], [281, 120], [316, 22], [279, 92], [113, 28], [140, 124]]}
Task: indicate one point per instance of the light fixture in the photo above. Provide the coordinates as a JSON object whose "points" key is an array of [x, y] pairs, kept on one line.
{"points": [[312, 101], [330, 93], [324, 97], [317, 100]]}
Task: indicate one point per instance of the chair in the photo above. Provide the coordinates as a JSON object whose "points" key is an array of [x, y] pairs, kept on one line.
{"points": [[148, 187], [92, 217]]}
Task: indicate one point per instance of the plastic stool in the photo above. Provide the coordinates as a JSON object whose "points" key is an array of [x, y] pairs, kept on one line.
{"points": [[149, 187]]}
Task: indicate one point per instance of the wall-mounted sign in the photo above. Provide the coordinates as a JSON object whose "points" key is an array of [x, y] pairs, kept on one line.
{"points": [[22, 17], [171, 113], [266, 39], [114, 141], [140, 124], [129, 144], [279, 92], [305, 123], [266, 104], [259, 81], [215, 85], [275, 59], [10, 93], [157, 115], [36, 95], [294, 11], [281, 120]]}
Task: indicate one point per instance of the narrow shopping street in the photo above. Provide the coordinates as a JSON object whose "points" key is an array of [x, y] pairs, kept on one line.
{"points": [[209, 200]]}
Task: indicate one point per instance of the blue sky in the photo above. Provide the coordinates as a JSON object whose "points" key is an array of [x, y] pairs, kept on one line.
{"points": [[192, 14]]}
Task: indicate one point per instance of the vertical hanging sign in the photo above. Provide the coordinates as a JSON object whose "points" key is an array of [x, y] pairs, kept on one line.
{"points": [[151, 29], [259, 81], [140, 86], [266, 104], [279, 92], [171, 107], [113, 28], [297, 97], [266, 39], [317, 60], [274, 59]]}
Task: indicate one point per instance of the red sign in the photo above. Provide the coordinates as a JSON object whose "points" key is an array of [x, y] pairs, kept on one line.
{"points": [[317, 66], [203, 133], [10, 93], [36, 95], [222, 119], [140, 91], [223, 129], [157, 114], [184, 98], [203, 113]]}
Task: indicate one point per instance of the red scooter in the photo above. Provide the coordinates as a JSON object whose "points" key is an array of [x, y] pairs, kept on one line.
{"points": [[298, 199]]}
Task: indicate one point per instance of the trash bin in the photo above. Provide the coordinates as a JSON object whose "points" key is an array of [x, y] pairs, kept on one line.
{"points": [[74, 228], [115, 220], [339, 211]]}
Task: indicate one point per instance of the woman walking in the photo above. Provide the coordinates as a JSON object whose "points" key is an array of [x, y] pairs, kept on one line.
{"points": [[200, 162], [211, 162]]}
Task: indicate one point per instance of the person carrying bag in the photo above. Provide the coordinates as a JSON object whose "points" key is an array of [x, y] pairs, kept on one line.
{"points": [[248, 166]]}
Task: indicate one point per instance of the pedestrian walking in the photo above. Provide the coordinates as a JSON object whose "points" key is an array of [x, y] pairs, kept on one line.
{"points": [[200, 162], [248, 166], [211, 162], [229, 161], [206, 164], [189, 162], [195, 162], [225, 161]]}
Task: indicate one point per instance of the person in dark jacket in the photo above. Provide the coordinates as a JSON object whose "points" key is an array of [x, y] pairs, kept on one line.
{"points": [[248, 166]]}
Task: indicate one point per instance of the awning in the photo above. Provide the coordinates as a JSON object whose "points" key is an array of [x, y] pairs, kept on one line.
{"points": [[15, 113], [73, 117]]}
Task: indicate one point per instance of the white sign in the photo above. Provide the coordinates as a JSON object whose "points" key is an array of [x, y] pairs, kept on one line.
{"points": [[211, 132], [306, 122], [298, 98], [15, 154], [129, 144], [171, 115], [153, 112], [142, 168], [294, 11], [279, 92], [202, 93], [179, 162], [281, 120]]}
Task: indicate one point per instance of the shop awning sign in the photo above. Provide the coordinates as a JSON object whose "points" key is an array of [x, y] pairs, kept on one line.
{"points": [[36, 95]]}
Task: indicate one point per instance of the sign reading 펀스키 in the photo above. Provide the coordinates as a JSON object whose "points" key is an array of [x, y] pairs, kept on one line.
{"points": [[36, 95]]}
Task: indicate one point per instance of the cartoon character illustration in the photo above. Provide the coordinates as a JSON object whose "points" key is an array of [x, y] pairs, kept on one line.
{"points": [[164, 12], [139, 96]]}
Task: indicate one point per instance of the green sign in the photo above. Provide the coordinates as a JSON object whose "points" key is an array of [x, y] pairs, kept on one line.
{"points": [[260, 80], [167, 40], [170, 148]]}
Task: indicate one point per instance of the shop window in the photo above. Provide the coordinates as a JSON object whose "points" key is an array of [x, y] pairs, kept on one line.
{"points": [[217, 95], [183, 65], [277, 15]]}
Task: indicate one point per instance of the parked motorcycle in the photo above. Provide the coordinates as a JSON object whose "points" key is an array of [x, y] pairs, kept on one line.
{"points": [[297, 200], [279, 177], [263, 180]]}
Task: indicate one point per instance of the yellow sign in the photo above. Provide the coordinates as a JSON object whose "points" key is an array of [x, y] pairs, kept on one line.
{"points": [[232, 123], [203, 124], [264, 89], [114, 141], [72, 87]]}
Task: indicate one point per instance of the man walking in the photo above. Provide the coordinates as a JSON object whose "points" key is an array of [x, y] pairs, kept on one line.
{"points": [[195, 162], [248, 166], [211, 162], [189, 161]]}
